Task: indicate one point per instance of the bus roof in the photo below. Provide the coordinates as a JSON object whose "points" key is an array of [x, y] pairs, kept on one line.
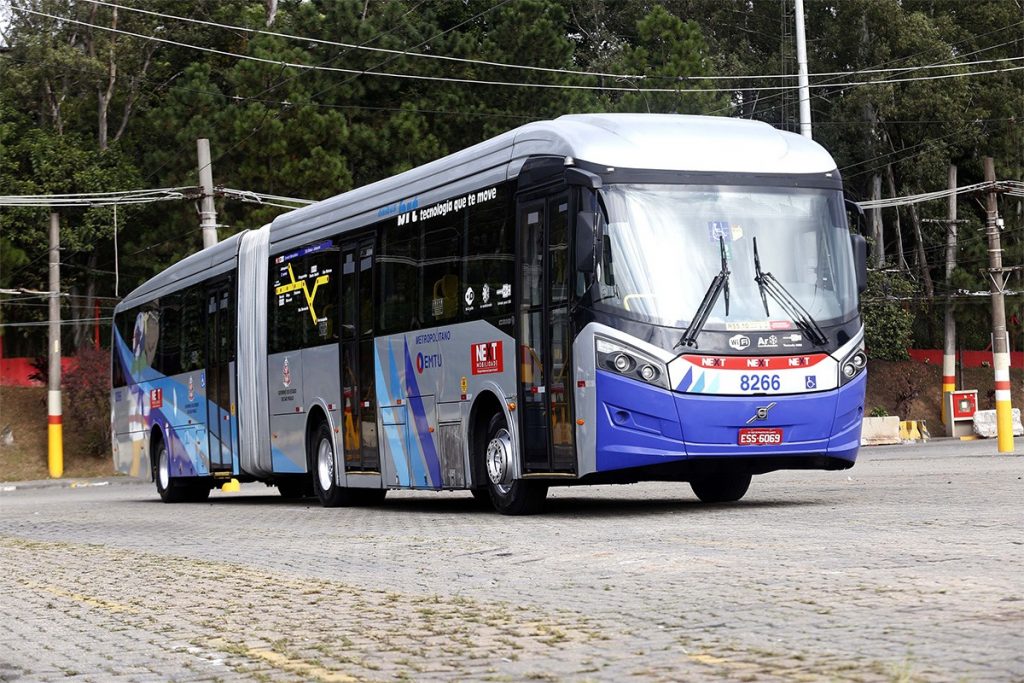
{"points": [[198, 266], [635, 141]]}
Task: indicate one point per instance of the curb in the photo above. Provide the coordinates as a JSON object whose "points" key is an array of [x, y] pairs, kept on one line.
{"points": [[71, 483]]}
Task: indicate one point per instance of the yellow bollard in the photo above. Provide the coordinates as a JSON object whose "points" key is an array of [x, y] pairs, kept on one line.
{"points": [[55, 432], [55, 447], [915, 433]]}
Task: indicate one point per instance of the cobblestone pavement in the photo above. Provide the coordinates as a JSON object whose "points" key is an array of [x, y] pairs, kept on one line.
{"points": [[905, 568]]}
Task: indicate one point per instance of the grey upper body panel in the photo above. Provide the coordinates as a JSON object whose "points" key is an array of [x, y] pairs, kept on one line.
{"points": [[641, 141], [202, 265]]}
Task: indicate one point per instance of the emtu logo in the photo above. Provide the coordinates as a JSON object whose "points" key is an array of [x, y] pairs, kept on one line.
{"points": [[424, 362]]}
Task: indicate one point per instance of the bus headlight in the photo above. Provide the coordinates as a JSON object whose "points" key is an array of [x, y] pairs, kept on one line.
{"points": [[630, 362], [852, 366]]}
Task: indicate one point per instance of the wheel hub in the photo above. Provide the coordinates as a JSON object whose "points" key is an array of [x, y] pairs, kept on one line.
{"points": [[164, 470], [499, 459], [325, 465]]}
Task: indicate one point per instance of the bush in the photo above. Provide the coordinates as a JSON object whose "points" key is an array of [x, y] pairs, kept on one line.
{"points": [[888, 324], [86, 403]]}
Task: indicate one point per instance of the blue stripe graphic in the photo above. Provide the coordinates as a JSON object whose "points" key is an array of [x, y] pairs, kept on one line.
{"points": [[421, 431]]}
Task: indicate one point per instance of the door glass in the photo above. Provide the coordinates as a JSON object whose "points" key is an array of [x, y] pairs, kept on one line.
{"points": [[560, 381], [531, 351], [368, 426], [357, 369]]}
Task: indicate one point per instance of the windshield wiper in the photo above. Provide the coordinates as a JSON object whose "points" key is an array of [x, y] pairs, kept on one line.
{"points": [[767, 283], [718, 285]]}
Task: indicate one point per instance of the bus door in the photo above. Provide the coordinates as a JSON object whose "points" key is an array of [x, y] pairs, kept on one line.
{"points": [[220, 347], [359, 410], [545, 370]]}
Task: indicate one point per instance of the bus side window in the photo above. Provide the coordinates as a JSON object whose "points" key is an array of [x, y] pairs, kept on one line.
{"points": [[490, 255], [399, 261], [441, 265], [117, 378], [169, 350], [192, 330]]}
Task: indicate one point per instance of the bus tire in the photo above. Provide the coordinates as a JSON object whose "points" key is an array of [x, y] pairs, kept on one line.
{"points": [[174, 490], [518, 497], [721, 488], [322, 464]]}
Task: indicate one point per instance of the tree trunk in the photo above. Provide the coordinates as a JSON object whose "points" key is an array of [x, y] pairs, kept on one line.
{"points": [[922, 259], [105, 94], [901, 261], [877, 230]]}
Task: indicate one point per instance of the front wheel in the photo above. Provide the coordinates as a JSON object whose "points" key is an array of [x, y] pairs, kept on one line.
{"points": [[174, 490], [721, 488], [508, 496]]}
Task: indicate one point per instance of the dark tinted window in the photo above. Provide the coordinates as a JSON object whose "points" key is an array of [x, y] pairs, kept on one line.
{"points": [[399, 261], [303, 298], [441, 270], [193, 330], [168, 359], [490, 255]]}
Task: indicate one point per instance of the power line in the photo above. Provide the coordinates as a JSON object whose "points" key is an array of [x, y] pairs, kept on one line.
{"points": [[474, 81], [92, 199], [505, 65]]}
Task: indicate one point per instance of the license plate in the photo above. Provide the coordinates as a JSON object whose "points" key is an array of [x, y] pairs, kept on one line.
{"points": [[759, 436]]}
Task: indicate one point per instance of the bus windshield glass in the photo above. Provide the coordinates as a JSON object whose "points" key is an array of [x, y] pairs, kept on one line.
{"points": [[662, 249]]}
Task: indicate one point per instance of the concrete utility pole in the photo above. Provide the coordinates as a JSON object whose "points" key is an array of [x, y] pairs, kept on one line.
{"points": [[949, 342], [877, 227], [55, 429], [207, 211], [801, 63], [1000, 349]]}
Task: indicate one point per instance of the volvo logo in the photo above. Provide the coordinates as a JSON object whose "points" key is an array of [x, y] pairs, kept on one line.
{"points": [[762, 412]]}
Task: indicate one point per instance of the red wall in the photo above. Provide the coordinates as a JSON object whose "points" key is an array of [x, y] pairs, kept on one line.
{"points": [[15, 372], [971, 359]]}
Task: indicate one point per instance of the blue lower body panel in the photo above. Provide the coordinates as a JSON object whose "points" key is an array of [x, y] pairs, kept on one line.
{"points": [[640, 425]]}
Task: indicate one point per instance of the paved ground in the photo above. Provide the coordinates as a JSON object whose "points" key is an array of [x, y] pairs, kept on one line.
{"points": [[906, 568]]}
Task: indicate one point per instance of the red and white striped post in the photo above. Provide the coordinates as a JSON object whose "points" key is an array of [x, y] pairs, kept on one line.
{"points": [[55, 450]]}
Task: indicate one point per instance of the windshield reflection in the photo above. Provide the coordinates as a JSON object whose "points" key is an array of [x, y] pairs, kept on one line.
{"points": [[662, 250]]}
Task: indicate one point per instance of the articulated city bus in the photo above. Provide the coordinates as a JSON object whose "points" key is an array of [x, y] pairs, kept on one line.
{"points": [[594, 299]]}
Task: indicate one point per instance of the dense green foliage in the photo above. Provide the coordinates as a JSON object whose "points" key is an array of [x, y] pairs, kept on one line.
{"points": [[888, 321], [84, 109]]}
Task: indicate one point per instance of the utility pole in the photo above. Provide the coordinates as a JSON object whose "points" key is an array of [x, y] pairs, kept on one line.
{"points": [[207, 211], [1000, 350], [877, 227], [55, 428], [801, 61], [949, 343]]}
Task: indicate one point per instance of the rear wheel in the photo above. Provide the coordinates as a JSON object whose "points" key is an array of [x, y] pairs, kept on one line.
{"points": [[323, 463], [721, 488], [508, 496], [172, 489], [324, 482]]}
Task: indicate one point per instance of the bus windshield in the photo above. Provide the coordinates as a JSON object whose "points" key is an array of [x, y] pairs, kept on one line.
{"points": [[662, 249]]}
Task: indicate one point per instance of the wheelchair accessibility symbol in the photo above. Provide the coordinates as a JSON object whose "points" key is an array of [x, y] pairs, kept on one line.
{"points": [[810, 382]]}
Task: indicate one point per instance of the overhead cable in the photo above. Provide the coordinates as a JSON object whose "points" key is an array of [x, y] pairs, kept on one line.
{"points": [[474, 81], [505, 65]]}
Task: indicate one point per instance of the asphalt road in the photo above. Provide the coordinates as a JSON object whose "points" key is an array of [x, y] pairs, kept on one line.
{"points": [[905, 568]]}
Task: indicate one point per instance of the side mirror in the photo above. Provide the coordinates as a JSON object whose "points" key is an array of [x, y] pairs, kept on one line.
{"points": [[585, 229], [860, 260]]}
